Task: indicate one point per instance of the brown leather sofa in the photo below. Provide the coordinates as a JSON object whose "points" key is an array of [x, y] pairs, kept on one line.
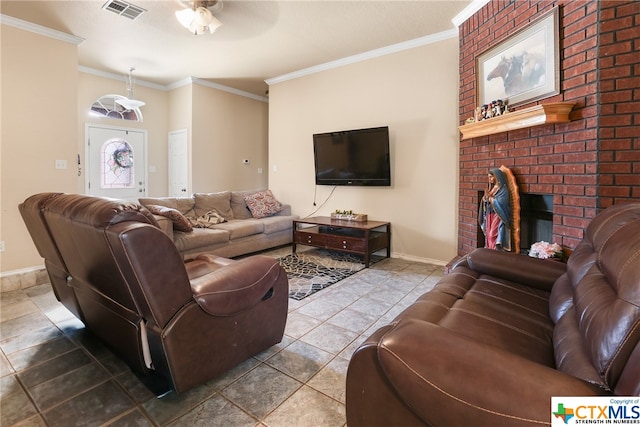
{"points": [[176, 324], [503, 333]]}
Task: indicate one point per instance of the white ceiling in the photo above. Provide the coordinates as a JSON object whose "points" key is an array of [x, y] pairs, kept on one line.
{"points": [[258, 40]]}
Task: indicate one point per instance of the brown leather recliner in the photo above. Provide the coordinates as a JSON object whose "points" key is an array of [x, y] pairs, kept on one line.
{"points": [[176, 324], [503, 333], [32, 214]]}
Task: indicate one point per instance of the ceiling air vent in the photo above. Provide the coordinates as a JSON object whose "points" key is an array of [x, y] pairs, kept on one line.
{"points": [[123, 8]]}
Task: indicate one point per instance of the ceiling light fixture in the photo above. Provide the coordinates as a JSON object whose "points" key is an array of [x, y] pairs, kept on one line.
{"points": [[199, 18], [130, 103]]}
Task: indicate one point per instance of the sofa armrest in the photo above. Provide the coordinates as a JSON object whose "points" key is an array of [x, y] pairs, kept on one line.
{"points": [[165, 224], [448, 379], [238, 286], [286, 210], [538, 273]]}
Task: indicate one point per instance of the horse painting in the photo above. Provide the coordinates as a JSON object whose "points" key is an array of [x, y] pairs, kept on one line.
{"points": [[519, 73], [533, 72]]}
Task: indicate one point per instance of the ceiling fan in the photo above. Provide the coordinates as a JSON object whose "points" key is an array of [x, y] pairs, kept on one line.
{"points": [[198, 16]]}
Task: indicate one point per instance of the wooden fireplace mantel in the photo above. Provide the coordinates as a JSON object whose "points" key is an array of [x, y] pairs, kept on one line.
{"points": [[556, 112]]}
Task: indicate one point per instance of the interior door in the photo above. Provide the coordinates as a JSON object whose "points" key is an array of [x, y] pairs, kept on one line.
{"points": [[178, 164], [116, 163]]}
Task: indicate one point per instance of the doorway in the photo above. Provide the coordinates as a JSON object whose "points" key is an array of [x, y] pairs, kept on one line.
{"points": [[116, 162]]}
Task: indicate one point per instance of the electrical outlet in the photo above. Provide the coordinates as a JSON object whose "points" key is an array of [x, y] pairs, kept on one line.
{"points": [[2, 246]]}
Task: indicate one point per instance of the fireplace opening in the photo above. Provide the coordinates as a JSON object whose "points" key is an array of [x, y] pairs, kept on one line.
{"points": [[536, 220]]}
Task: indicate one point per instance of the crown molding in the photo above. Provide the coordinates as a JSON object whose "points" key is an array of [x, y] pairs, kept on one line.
{"points": [[398, 47], [180, 83], [39, 29], [59, 35], [468, 12], [228, 89], [206, 83], [376, 53], [175, 85], [119, 77]]}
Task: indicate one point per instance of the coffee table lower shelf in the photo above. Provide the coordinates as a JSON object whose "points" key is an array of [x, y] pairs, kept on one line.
{"points": [[362, 238]]}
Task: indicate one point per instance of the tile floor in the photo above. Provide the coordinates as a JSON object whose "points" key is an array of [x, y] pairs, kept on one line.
{"points": [[54, 373]]}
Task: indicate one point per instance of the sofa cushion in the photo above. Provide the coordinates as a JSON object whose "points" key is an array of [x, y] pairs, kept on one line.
{"points": [[198, 238], [220, 202], [239, 205], [238, 228], [495, 311], [182, 204], [262, 204], [180, 222]]}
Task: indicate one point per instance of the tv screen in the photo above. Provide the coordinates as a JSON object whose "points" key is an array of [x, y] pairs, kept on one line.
{"points": [[353, 157]]}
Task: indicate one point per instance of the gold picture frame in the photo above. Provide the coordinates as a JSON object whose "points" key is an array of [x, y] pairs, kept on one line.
{"points": [[523, 68]]}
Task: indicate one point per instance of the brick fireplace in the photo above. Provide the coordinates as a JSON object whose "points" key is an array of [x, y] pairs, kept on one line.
{"points": [[581, 166]]}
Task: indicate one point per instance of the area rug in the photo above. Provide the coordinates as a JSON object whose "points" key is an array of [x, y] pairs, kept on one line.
{"points": [[316, 269]]}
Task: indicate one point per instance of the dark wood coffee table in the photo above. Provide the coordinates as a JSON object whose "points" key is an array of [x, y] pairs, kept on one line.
{"points": [[363, 238]]}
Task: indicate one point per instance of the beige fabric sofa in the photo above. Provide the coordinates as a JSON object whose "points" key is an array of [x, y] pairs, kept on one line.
{"points": [[239, 234]]}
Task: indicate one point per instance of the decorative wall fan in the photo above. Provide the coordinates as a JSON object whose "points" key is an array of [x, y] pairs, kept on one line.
{"points": [[198, 17]]}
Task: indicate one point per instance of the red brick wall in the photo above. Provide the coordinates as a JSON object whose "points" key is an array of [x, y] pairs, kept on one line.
{"points": [[587, 164], [619, 131]]}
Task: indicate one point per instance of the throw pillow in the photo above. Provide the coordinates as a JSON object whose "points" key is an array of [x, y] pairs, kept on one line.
{"points": [[180, 222], [207, 220], [262, 204]]}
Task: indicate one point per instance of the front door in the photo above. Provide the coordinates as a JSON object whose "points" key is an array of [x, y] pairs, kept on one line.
{"points": [[116, 163]]}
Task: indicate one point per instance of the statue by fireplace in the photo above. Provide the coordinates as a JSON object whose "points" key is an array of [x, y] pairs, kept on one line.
{"points": [[499, 212]]}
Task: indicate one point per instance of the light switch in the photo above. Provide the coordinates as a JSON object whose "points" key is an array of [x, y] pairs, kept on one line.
{"points": [[61, 164]]}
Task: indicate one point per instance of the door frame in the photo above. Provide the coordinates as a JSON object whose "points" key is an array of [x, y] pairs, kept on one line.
{"points": [[87, 153]]}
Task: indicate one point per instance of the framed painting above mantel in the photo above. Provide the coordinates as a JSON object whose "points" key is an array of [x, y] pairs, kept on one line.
{"points": [[523, 68]]}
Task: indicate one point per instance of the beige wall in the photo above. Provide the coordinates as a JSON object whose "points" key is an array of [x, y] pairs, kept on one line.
{"points": [[414, 92], [181, 108], [43, 117], [39, 126], [226, 129]]}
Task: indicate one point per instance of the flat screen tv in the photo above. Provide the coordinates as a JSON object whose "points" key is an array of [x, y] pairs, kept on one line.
{"points": [[353, 157]]}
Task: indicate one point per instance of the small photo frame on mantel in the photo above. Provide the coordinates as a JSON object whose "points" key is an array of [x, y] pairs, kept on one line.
{"points": [[523, 68]]}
